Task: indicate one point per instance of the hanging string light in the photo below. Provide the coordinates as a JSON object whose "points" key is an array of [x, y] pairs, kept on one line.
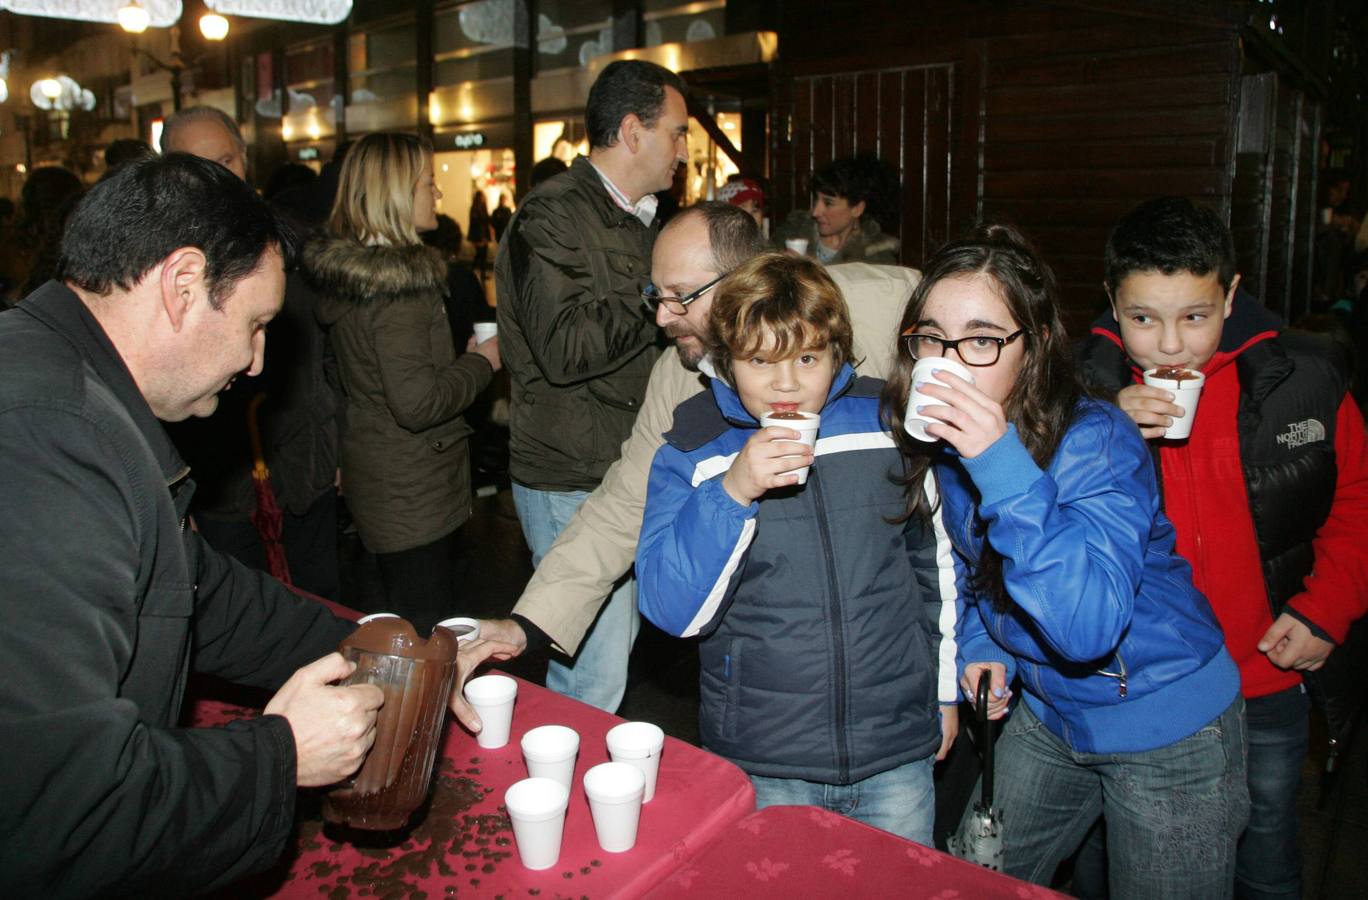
{"points": [[160, 13], [323, 12]]}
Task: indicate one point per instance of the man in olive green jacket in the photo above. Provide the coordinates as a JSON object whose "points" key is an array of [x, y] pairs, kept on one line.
{"points": [[575, 339], [599, 544]]}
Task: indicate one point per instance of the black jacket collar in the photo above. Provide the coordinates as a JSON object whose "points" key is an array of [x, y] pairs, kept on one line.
{"points": [[58, 307]]}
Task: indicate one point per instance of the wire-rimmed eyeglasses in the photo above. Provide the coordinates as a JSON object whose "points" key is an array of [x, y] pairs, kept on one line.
{"points": [[652, 298], [974, 350]]}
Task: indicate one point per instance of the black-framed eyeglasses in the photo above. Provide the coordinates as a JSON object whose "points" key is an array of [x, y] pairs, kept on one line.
{"points": [[652, 298], [974, 350]]}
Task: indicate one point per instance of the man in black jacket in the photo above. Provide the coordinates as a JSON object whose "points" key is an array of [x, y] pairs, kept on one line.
{"points": [[169, 272], [576, 341]]}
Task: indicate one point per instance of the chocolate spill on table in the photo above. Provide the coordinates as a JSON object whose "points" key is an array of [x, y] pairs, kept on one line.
{"points": [[446, 855]]}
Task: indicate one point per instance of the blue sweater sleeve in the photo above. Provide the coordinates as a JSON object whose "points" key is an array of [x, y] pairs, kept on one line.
{"points": [[1073, 539], [693, 542]]}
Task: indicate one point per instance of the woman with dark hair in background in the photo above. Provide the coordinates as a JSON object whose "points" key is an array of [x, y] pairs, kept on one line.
{"points": [[481, 232], [48, 197]]}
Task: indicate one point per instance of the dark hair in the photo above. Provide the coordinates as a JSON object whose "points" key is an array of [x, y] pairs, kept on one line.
{"points": [[286, 176], [133, 220], [46, 200], [860, 179], [1042, 403], [1170, 235], [546, 169], [790, 297], [626, 87], [126, 150], [733, 236], [446, 236]]}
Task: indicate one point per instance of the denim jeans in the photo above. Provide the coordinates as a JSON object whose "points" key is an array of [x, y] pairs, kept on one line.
{"points": [[1173, 815], [901, 800], [1268, 863], [598, 673]]}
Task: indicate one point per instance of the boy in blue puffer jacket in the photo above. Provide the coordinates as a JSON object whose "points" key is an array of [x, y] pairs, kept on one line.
{"points": [[827, 648]]}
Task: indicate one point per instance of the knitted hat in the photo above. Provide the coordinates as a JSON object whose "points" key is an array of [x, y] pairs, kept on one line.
{"points": [[740, 190]]}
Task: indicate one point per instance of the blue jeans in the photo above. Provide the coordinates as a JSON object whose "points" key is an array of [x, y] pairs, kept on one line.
{"points": [[1268, 863], [598, 673], [1173, 815], [901, 800]]}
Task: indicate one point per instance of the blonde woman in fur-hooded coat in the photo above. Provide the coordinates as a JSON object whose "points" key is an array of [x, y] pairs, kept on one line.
{"points": [[404, 456]]}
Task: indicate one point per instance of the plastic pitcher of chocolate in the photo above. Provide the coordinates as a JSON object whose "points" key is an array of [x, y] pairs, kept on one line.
{"points": [[416, 676]]}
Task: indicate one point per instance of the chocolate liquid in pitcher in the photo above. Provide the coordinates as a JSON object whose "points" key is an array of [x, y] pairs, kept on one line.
{"points": [[416, 676]]}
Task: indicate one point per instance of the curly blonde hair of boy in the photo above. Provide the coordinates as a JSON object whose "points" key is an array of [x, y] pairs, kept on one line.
{"points": [[789, 297]]}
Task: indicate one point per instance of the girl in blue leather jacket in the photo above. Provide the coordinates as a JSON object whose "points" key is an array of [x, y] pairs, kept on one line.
{"points": [[1069, 583]]}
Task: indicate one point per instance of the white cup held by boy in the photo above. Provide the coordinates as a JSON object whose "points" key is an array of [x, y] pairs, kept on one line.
{"points": [[1186, 390], [536, 807], [638, 744], [464, 628], [914, 423], [550, 752], [615, 790], [797, 245], [485, 330], [806, 424], [492, 697]]}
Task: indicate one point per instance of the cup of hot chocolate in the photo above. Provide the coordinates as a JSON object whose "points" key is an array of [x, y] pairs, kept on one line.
{"points": [[914, 423], [416, 676], [805, 423], [1186, 387], [465, 629]]}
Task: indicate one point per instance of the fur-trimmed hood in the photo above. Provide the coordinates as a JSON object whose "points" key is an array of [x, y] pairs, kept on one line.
{"points": [[347, 275]]}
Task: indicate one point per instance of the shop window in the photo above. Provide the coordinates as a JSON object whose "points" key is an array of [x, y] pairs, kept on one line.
{"points": [[381, 62], [669, 21]]}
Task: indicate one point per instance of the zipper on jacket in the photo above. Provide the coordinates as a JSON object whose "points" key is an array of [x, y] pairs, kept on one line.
{"points": [[838, 636], [1120, 676]]}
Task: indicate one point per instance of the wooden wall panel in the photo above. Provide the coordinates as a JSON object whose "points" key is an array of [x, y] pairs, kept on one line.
{"points": [[1060, 119], [904, 116]]}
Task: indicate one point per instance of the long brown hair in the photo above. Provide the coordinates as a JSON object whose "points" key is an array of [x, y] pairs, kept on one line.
{"points": [[1044, 399]]}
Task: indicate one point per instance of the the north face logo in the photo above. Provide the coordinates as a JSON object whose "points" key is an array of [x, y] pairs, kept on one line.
{"points": [[1300, 433]]}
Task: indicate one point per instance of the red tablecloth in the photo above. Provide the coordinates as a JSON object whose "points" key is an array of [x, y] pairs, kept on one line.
{"points": [[464, 846], [802, 851]]}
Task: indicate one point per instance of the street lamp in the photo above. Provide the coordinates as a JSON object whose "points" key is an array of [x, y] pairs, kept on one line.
{"points": [[133, 18], [50, 88], [213, 26]]}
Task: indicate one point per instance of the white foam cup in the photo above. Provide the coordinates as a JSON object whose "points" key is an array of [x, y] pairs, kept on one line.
{"points": [[492, 696], [485, 330], [364, 619], [550, 751], [797, 245], [638, 744], [464, 628], [1186, 393], [536, 807], [615, 790], [807, 428], [914, 423]]}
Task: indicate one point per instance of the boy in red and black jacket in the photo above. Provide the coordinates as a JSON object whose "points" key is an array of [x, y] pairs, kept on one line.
{"points": [[1269, 494]]}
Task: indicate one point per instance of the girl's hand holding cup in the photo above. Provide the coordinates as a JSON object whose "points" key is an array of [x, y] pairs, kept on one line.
{"points": [[970, 421]]}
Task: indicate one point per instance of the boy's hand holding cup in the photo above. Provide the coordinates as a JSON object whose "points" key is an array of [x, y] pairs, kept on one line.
{"points": [[769, 461], [1186, 387]]}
